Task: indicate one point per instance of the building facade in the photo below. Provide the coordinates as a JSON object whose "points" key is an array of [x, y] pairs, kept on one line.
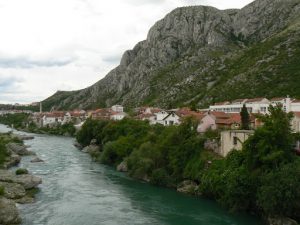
{"points": [[233, 139]]}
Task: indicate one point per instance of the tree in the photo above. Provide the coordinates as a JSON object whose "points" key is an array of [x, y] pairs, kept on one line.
{"points": [[245, 118], [272, 144]]}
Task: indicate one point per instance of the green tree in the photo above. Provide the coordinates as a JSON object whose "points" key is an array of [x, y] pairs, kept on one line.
{"points": [[272, 144], [245, 118]]}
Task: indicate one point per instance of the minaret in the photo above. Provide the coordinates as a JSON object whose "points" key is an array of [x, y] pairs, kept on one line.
{"points": [[41, 107], [288, 102]]}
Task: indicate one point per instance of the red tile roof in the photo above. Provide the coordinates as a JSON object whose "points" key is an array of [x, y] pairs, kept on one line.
{"points": [[219, 115], [277, 99], [222, 103], [255, 100], [239, 100]]}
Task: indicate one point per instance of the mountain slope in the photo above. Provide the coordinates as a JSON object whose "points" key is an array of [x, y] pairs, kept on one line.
{"points": [[199, 55]]}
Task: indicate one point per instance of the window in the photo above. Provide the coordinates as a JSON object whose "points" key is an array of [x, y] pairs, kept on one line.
{"points": [[171, 122], [235, 140], [263, 109]]}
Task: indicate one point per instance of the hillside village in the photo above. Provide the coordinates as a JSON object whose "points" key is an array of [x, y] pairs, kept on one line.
{"points": [[223, 116]]}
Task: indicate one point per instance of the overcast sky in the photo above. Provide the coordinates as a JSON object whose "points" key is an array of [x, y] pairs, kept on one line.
{"points": [[50, 45]]}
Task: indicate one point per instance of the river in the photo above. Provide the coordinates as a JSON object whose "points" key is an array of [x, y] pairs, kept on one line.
{"points": [[77, 191]]}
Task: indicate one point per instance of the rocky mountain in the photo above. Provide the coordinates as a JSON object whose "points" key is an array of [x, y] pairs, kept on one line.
{"points": [[200, 55]]}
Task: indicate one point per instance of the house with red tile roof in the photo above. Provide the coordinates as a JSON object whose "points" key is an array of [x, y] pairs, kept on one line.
{"points": [[101, 114], [52, 118], [220, 120]]}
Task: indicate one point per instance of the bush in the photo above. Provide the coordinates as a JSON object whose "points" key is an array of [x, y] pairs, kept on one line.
{"points": [[279, 193], [3, 150], [160, 177], [21, 171], [2, 189]]}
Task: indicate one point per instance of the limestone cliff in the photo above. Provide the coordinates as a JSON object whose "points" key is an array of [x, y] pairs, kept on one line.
{"points": [[199, 54]]}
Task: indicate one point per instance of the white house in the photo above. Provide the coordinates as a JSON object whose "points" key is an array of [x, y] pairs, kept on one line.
{"points": [[117, 108], [118, 115], [162, 117], [53, 118], [171, 119], [159, 117]]}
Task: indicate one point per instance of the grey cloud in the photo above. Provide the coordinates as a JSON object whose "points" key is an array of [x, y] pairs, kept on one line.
{"points": [[22, 62], [145, 2], [9, 84], [114, 59]]}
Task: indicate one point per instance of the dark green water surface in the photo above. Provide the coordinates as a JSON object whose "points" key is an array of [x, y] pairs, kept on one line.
{"points": [[76, 191]]}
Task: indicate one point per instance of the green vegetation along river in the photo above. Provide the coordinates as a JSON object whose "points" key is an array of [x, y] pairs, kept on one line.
{"points": [[76, 191]]}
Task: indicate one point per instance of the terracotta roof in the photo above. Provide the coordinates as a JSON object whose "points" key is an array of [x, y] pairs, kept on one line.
{"points": [[235, 117], [219, 115], [255, 100], [155, 110], [224, 121], [239, 100], [55, 114], [144, 116], [222, 103], [277, 99], [101, 111], [76, 114]]}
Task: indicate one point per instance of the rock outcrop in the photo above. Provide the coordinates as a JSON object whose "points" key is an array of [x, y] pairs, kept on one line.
{"points": [[36, 160], [188, 187], [122, 167], [13, 190], [18, 149], [23, 137], [191, 54], [28, 181], [12, 160], [77, 145], [9, 214], [281, 221]]}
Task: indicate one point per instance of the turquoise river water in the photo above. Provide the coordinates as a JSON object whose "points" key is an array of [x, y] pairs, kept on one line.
{"points": [[77, 191]]}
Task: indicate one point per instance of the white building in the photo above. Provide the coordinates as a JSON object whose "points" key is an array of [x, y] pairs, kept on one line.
{"points": [[159, 117], [256, 105], [295, 123], [165, 118], [117, 108], [171, 119], [118, 115], [295, 105], [53, 118]]}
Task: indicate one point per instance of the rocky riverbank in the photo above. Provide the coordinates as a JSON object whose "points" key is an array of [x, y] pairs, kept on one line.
{"points": [[15, 187]]}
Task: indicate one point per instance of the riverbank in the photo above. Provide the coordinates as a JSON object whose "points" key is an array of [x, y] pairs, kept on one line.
{"points": [[15, 187], [23, 122], [253, 180], [78, 191]]}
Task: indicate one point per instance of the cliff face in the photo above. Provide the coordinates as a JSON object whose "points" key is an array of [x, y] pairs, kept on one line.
{"points": [[196, 53]]}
